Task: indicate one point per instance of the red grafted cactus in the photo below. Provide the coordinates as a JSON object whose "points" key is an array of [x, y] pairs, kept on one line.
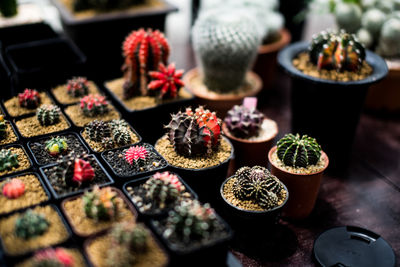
{"points": [[136, 155], [78, 86], [93, 105], [13, 188], [143, 51], [167, 81], [74, 170], [83, 171], [194, 133], [169, 178], [29, 99], [53, 257]]}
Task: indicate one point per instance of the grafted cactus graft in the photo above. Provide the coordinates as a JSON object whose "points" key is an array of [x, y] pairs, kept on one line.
{"points": [[166, 81], [75, 170], [56, 146], [78, 86], [29, 99], [137, 155], [13, 188], [93, 105], [100, 204], [58, 257]]}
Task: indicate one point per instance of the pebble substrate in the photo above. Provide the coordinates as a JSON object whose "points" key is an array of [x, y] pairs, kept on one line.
{"points": [[23, 161], [60, 93], [15, 110], [10, 135], [30, 127]]}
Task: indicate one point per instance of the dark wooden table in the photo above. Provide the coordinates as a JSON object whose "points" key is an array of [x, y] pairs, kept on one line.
{"points": [[366, 195]]}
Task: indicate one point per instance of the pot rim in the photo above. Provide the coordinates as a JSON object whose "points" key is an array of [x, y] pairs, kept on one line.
{"points": [[241, 140], [323, 154], [221, 190], [285, 56], [285, 38]]}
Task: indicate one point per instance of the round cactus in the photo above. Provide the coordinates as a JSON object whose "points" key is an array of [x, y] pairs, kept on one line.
{"points": [[194, 133], [118, 123], [137, 156], [13, 188], [78, 86], [120, 256], [365, 37], [8, 159], [372, 20], [31, 224], [98, 130], [56, 146], [75, 170], [121, 136], [29, 99], [51, 257], [243, 122], [48, 114], [100, 204], [166, 81], [94, 105], [3, 127], [389, 43], [134, 236], [348, 16], [297, 151]]}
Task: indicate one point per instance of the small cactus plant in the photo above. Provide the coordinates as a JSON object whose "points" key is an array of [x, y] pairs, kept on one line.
{"points": [[118, 123], [93, 105], [31, 224], [29, 99], [13, 188], [100, 204], [8, 159], [121, 136], [50, 257], [340, 51], [75, 170], [297, 151], [166, 81], [244, 122], [163, 188], [78, 87], [143, 51], [3, 127], [56, 146], [97, 130], [134, 236], [259, 185], [137, 156], [48, 114], [194, 133]]}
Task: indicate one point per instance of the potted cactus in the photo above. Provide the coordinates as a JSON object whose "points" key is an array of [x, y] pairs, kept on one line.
{"points": [[33, 229], [46, 150], [157, 194], [195, 149], [21, 191], [334, 68], [136, 160], [26, 102], [97, 210], [13, 158], [225, 44], [253, 197], [206, 237], [74, 173], [7, 132], [74, 90], [126, 244], [250, 132], [299, 163], [101, 135]]}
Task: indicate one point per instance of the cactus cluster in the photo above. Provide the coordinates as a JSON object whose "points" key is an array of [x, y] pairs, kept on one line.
{"points": [[56, 146], [337, 50], [137, 156], [109, 133], [13, 188], [77, 87], [75, 170], [226, 45], [94, 105], [194, 133], [143, 51], [259, 185], [163, 188], [244, 122], [53, 257], [8, 159], [48, 114], [3, 127], [31, 224], [298, 151], [166, 81], [29, 99], [100, 204]]}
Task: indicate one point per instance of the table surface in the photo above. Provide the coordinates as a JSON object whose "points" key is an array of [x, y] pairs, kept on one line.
{"points": [[367, 195]]}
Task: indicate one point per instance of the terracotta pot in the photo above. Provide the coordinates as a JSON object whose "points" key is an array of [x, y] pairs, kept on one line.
{"points": [[220, 102], [250, 152], [266, 64], [303, 188]]}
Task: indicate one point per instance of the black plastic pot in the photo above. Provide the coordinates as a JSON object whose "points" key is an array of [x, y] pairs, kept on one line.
{"points": [[79, 190], [26, 154], [328, 110], [100, 37], [51, 159], [41, 64], [147, 215]]}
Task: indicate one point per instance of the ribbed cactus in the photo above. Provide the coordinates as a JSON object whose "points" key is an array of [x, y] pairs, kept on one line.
{"points": [[50, 257], [48, 114], [56, 146], [13, 188], [8, 8], [29, 99], [100, 204], [243, 122], [8, 159], [297, 151], [137, 156], [98, 130], [31, 224], [143, 51], [132, 235], [166, 81], [74, 169], [118, 123], [93, 105], [194, 133], [259, 185], [121, 136], [225, 45], [340, 51], [3, 127], [77, 87]]}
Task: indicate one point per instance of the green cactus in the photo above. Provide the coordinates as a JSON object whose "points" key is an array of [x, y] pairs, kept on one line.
{"points": [[348, 16], [119, 256], [48, 114], [389, 43], [100, 204], [121, 136], [8, 159], [226, 46], [132, 235], [31, 224], [372, 20], [107, 143], [3, 127], [114, 124], [297, 151], [8, 8], [97, 130], [56, 146]]}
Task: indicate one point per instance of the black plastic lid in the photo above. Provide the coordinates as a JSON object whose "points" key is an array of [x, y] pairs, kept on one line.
{"points": [[352, 246]]}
